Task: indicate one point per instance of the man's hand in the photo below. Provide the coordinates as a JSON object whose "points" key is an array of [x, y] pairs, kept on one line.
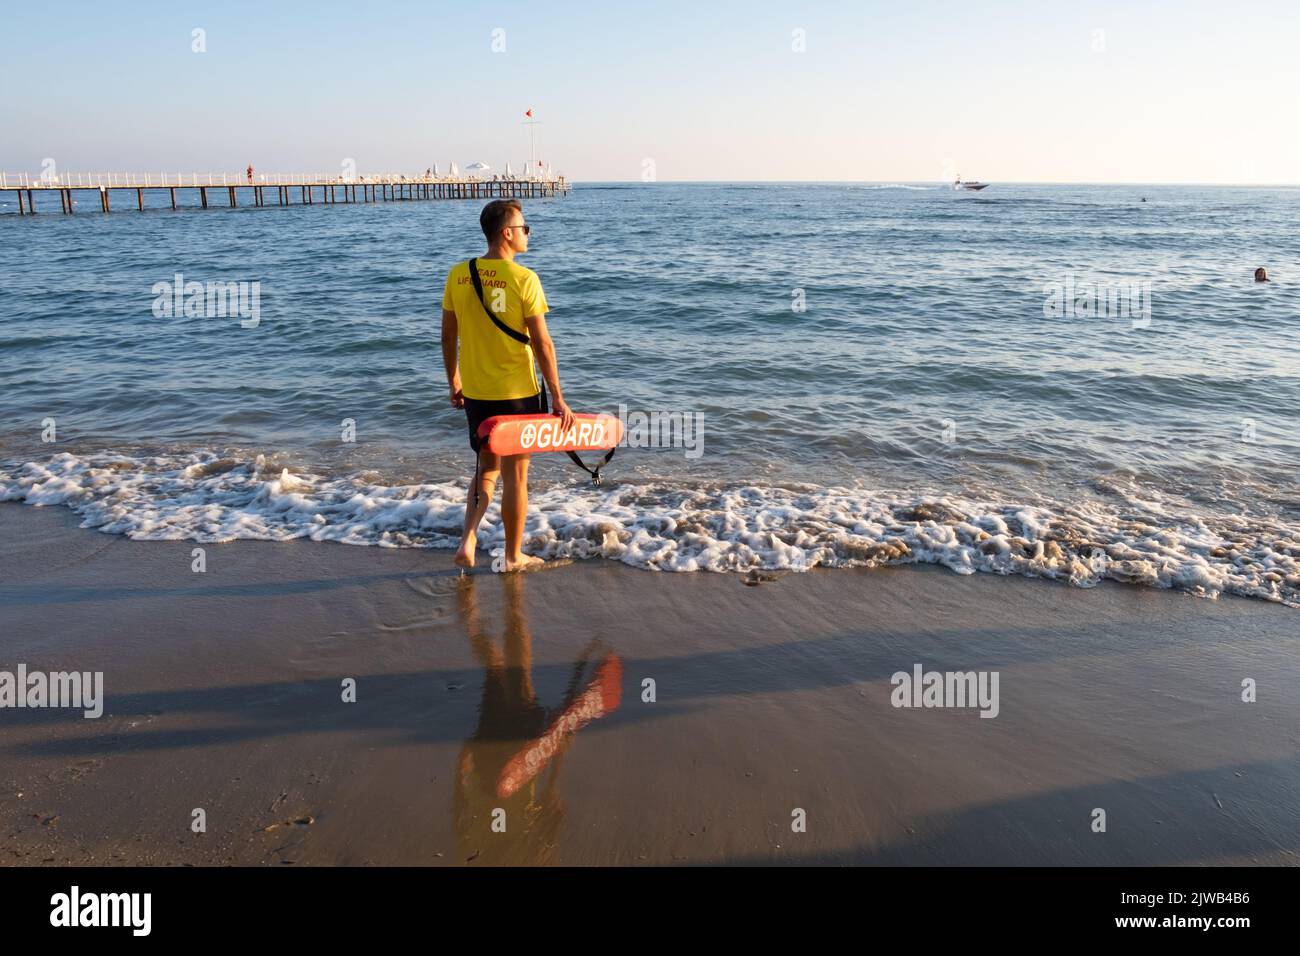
{"points": [[566, 414], [457, 399]]}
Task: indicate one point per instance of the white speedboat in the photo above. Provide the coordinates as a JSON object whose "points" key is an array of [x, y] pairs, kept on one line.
{"points": [[969, 186]]}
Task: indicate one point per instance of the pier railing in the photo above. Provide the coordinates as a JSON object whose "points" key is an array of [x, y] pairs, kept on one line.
{"points": [[370, 188], [194, 180]]}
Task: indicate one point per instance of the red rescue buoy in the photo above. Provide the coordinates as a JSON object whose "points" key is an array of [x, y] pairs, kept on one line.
{"points": [[529, 434]]}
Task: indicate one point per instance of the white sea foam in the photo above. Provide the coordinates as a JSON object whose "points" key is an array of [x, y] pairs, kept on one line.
{"points": [[207, 498]]}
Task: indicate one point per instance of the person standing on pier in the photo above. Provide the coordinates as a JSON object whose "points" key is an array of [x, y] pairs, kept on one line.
{"points": [[250, 172], [500, 333]]}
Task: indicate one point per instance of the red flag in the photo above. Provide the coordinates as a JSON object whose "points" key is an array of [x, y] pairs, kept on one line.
{"points": [[529, 114]]}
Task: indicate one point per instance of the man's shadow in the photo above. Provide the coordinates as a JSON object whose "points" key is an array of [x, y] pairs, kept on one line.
{"points": [[506, 808]]}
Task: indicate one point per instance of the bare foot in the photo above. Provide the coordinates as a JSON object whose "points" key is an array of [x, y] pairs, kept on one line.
{"points": [[465, 553], [526, 562]]}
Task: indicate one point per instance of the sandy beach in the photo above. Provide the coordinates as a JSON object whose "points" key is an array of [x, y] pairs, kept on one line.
{"points": [[520, 701]]}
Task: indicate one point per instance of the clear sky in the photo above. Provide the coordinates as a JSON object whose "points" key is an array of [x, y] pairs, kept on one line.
{"points": [[1185, 91]]}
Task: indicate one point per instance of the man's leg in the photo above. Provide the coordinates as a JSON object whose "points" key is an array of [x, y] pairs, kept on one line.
{"points": [[514, 509], [489, 467]]}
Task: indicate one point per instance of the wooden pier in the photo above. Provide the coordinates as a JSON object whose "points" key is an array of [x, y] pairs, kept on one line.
{"points": [[306, 189]]}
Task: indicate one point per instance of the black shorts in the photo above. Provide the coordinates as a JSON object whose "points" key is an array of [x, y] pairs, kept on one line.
{"points": [[478, 411]]}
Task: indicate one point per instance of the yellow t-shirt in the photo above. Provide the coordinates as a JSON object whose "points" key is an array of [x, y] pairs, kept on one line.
{"points": [[493, 366]]}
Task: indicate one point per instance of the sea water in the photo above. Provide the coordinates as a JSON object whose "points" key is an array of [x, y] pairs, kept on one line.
{"points": [[1060, 381]]}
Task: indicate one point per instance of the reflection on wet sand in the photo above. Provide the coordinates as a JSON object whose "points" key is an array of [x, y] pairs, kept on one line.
{"points": [[506, 808]]}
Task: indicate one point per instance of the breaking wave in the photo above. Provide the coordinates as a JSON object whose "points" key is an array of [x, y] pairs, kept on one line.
{"points": [[205, 497]]}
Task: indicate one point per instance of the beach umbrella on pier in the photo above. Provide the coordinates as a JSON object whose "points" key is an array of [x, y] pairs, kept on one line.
{"points": [[454, 170], [510, 173], [435, 170]]}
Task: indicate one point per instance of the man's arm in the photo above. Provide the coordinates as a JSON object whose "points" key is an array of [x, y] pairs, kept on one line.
{"points": [[449, 359], [544, 348]]}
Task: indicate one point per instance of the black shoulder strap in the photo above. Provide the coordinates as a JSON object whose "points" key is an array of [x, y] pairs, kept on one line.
{"points": [[478, 292], [594, 472]]}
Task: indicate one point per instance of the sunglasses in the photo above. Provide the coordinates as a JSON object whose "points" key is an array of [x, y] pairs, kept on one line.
{"points": [[524, 226]]}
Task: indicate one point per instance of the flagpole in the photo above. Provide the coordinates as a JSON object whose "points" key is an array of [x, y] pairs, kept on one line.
{"points": [[532, 142]]}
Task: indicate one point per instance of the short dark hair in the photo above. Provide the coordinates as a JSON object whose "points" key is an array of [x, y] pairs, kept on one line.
{"points": [[496, 214]]}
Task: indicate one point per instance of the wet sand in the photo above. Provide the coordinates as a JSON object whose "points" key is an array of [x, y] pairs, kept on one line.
{"points": [[524, 694]]}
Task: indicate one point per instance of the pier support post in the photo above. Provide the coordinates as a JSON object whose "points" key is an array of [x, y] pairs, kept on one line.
{"points": [[139, 199], [203, 196], [31, 205], [103, 199], [231, 190], [173, 192], [21, 210]]}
